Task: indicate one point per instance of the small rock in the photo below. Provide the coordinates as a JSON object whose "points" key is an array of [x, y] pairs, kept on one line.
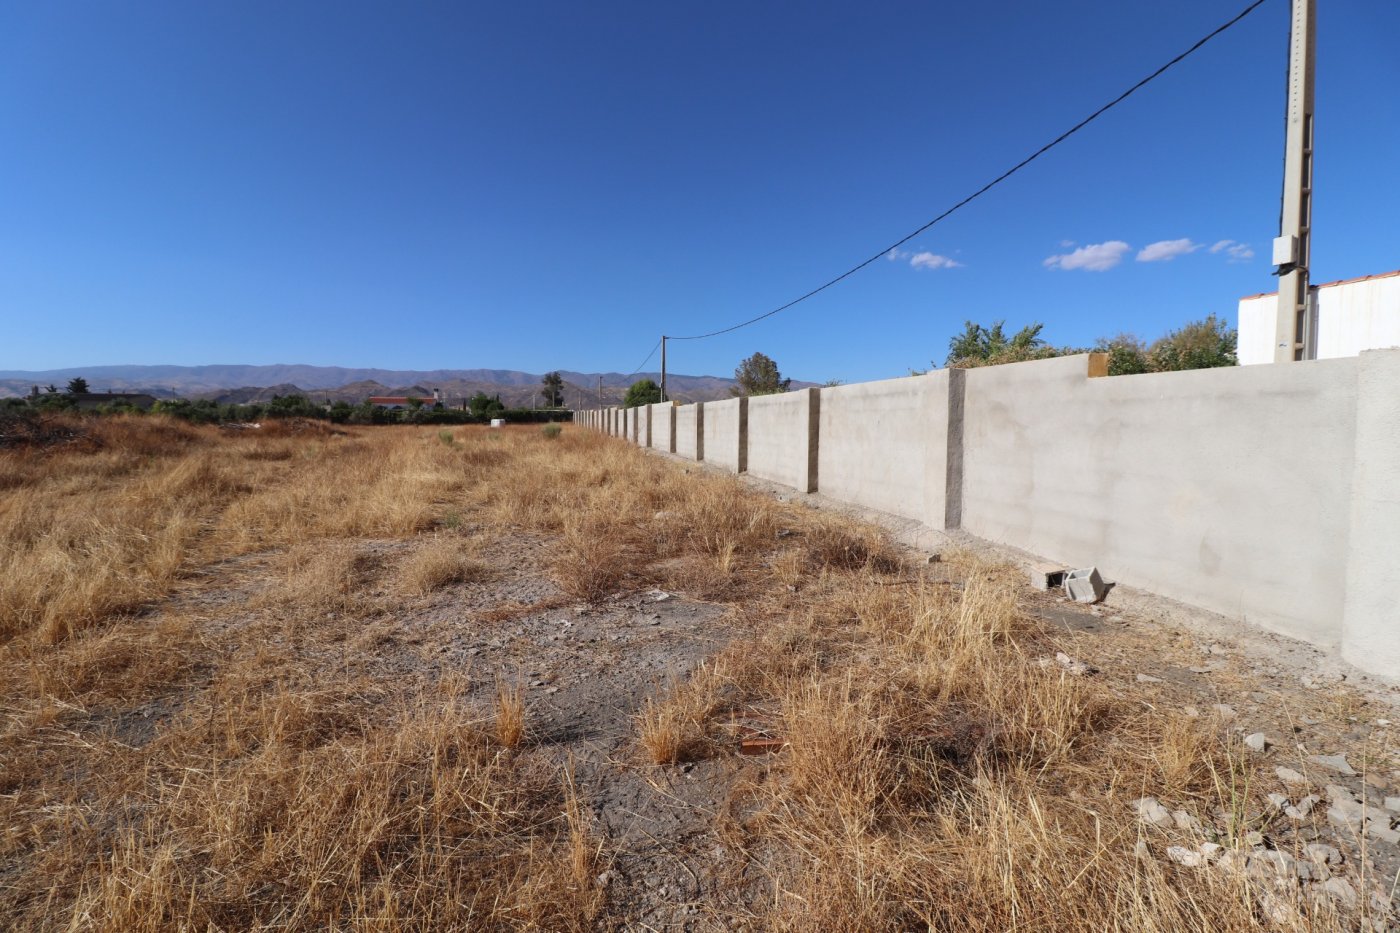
{"points": [[1148, 679], [1276, 907], [1254, 839], [1073, 666], [1379, 828], [1322, 854], [1141, 851], [659, 596], [1289, 776], [1183, 820], [1150, 810], [1232, 860], [1191, 712], [1279, 801], [1212, 850], [1392, 804], [1224, 710], [1304, 807], [1185, 857], [605, 878], [1344, 818], [551, 690], [1256, 741], [1336, 763], [1340, 891], [1280, 863]]}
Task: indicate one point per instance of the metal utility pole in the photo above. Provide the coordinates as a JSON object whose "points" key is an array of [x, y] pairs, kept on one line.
{"points": [[1295, 329], [600, 393], [663, 367]]}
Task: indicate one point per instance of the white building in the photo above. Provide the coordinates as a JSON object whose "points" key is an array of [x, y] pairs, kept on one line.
{"points": [[1351, 315]]}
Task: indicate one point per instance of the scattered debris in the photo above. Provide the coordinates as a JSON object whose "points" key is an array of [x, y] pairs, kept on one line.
{"points": [[1085, 586], [1047, 576]]}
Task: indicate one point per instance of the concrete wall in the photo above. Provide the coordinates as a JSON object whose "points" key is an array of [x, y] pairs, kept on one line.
{"points": [[1196, 485], [686, 445], [724, 439], [1371, 623], [1267, 493], [660, 426], [782, 438], [882, 445], [1352, 316]]}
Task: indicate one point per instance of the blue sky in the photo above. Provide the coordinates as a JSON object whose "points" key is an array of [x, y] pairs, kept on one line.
{"points": [[548, 185]]}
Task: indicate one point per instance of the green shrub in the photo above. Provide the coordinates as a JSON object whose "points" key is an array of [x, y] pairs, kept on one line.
{"points": [[551, 431]]}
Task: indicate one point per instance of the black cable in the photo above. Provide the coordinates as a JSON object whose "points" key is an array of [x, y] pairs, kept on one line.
{"points": [[645, 361], [996, 181]]}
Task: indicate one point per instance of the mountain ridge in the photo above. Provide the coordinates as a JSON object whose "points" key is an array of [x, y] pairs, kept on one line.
{"points": [[238, 382]]}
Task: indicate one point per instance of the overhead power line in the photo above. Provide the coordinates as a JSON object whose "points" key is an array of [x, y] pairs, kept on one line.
{"points": [[644, 362], [995, 181]]}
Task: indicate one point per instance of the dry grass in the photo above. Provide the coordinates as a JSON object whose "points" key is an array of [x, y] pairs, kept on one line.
{"points": [[198, 732], [510, 715]]}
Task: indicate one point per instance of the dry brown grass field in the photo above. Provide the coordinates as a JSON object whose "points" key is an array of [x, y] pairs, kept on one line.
{"points": [[297, 678]]}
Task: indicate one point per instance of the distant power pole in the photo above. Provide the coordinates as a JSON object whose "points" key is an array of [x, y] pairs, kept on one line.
{"points": [[1295, 328], [600, 393], [663, 367]]}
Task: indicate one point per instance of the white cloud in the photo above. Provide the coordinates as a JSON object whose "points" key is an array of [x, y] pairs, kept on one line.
{"points": [[896, 254], [1167, 250], [1066, 244], [933, 261], [1234, 252], [1096, 257]]}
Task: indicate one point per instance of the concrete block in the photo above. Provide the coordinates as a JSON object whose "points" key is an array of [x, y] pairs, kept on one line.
{"points": [[1045, 576], [1085, 586]]}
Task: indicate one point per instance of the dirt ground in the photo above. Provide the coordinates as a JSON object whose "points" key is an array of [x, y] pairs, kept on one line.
{"points": [[670, 865], [697, 843]]}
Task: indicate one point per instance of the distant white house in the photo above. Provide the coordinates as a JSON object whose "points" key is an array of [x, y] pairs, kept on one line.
{"points": [[402, 403], [1350, 316]]}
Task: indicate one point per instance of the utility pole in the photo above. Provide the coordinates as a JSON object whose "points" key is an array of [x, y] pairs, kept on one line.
{"points": [[600, 393], [663, 368], [1295, 329]]}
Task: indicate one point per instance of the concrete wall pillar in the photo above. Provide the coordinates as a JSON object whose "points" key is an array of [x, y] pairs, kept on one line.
{"points": [[953, 456], [671, 428], [699, 430], [743, 434], [648, 427], [1371, 618]]}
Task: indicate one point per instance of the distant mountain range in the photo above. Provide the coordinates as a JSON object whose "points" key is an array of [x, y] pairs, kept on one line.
{"points": [[240, 383]]}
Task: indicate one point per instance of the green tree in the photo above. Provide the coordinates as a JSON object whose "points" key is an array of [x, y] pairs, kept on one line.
{"points": [[642, 392], [1198, 345], [553, 389], [984, 346], [78, 386], [482, 405], [758, 375], [414, 404], [1127, 355]]}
